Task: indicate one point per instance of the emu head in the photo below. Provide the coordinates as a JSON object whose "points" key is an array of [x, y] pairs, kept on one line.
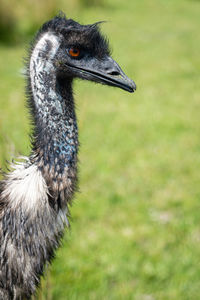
{"points": [[84, 53]]}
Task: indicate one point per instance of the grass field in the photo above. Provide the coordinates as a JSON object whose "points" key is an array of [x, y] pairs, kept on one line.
{"points": [[135, 230]]}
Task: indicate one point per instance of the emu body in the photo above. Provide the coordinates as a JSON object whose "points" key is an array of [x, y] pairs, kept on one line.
{"points": [[35, 195]]}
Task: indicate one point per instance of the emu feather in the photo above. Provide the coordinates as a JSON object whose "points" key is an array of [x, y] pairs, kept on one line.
{"points": [[26, 187]]}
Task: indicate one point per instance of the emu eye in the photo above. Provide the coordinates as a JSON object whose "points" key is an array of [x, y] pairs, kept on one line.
{"points": [[74, 52]]}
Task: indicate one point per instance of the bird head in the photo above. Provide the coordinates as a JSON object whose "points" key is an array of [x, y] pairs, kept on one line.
{"points": [[84, 53]]}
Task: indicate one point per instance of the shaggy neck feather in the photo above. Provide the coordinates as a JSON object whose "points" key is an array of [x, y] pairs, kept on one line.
{"points": [[56, 141]]}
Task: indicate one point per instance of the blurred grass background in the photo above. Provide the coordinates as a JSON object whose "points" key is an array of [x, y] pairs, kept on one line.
{"points": [[136, 223]]}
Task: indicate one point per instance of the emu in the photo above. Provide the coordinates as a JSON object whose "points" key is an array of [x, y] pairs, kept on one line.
{"points": [[35, 195]]}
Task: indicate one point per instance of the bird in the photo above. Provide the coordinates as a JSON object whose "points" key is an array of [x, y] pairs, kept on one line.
{"points": [[37, 191]]}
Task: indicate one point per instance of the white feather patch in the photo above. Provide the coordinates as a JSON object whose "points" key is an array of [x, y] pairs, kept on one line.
{"points": [[40, 47], [39, 64], [25, 186]]}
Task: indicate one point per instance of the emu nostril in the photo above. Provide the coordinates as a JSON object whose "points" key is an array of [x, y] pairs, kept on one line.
{"points": [[114, 73]]}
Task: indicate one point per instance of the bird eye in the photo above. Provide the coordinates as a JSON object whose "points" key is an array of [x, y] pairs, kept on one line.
{"points": [[74, 52]]}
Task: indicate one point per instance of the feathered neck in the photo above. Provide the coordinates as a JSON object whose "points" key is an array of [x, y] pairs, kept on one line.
{"points": [[55, 140]]}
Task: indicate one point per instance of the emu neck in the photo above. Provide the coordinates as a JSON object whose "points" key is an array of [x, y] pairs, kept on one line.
{"points": [[56, 136]]}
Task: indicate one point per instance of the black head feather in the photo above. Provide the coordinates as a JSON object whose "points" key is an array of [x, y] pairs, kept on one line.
{"points": [[88, 37]]}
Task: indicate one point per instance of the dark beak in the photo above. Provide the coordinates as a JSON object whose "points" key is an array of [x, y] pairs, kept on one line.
{"points": [[105, 71]]}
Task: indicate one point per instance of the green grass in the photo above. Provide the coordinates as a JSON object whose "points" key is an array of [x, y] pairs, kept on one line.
{"points": [[135, 231]]}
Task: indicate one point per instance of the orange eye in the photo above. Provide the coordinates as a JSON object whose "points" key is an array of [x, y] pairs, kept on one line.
{"points": [[74, 52]]}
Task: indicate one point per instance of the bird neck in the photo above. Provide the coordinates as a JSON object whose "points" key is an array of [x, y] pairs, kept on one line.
{"points": [[55, 142]]}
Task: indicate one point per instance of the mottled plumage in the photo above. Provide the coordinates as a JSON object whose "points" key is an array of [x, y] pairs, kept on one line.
{"points": [[35, 195]]}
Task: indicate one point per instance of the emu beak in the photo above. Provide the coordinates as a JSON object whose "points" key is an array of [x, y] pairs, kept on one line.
{"points": [[109, 72], [105, 71]]}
